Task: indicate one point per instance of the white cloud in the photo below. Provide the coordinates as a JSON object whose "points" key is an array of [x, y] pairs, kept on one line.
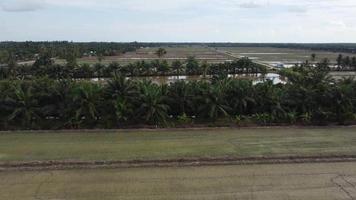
{"points": [[142, 5], [251, 4]]}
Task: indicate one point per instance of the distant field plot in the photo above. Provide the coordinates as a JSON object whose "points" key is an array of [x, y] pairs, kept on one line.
{"points": [[176, 144], [283, 55], [173, 53], [332, 181], [214, 55]]}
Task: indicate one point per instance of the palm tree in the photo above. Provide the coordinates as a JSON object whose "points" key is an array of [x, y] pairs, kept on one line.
{"points": [[163, 67], [353, 63], [177, 66], [313, 57], [161, 52], [180, 98], [122, 95], [120, 86], [23, 105], [153, 107], [100, 57], [339, 61], [86, 97], [83, 71], [192, 66], [240, 96], [99, 70], [213, 102], [61, 104], [205, 68], [267, 98]]}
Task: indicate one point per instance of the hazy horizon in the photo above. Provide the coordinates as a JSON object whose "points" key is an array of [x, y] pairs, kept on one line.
{"points": [[179, 21]]}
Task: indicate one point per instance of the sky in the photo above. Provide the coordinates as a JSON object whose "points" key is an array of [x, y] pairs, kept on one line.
{"points": [[179, 20]]}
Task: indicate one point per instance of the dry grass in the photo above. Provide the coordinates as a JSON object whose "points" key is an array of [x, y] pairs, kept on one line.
{"points": [[173, 53]]}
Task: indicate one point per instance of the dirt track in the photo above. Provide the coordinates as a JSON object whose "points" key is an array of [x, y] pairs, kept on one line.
{"points": [[64, 165]]}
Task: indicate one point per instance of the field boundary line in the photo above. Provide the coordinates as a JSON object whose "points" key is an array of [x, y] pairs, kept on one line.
{"points": [[172, 129], [184, 162]]}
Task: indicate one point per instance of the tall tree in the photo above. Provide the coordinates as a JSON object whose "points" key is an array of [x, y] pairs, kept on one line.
{"points": [[205, 68], [353, 63], [161, 52], [339, 61], [177, 67], [86, 97], [23, 105], [163, 67], [122, 96], [192, 66], [153, 107], [313, 57], [213, 102]]}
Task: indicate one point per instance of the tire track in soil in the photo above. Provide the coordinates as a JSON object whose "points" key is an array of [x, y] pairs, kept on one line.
{"points": [[184, 162], [39, 187], [339, 181]]}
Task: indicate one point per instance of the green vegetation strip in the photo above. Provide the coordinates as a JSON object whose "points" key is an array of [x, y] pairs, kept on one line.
{"points": [[165, 145]]}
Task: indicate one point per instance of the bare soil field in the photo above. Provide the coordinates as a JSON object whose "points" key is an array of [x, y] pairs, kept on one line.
{"points": [[332, 181], [173, 53], [271, 55], [266, 55]]}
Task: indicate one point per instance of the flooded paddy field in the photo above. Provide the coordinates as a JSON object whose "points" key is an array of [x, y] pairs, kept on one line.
{"points": [[286, 56]]}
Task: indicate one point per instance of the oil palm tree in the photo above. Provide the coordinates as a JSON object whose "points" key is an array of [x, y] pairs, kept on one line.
{"points": [[205, 68], [122, 94], [152, 107], [213, 102], [240, 96], [161, 52], [23, 105], [86, 98], [177, 67], [180, 98]]}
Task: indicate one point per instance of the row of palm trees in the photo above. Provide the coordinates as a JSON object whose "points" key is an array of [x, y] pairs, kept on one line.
{"points": [[346, 63], [310, 96], [44, 66]]}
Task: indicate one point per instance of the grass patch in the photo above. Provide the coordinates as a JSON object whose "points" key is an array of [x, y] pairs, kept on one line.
{"points": [[176, 144]]}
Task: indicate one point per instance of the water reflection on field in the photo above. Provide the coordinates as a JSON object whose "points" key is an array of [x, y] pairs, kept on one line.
{"points": [[256, 78]]}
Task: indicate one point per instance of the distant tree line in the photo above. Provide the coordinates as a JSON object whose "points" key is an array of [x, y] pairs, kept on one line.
{"points": [[22, 51], [346, 63], [309, 97], [343, 63]]}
